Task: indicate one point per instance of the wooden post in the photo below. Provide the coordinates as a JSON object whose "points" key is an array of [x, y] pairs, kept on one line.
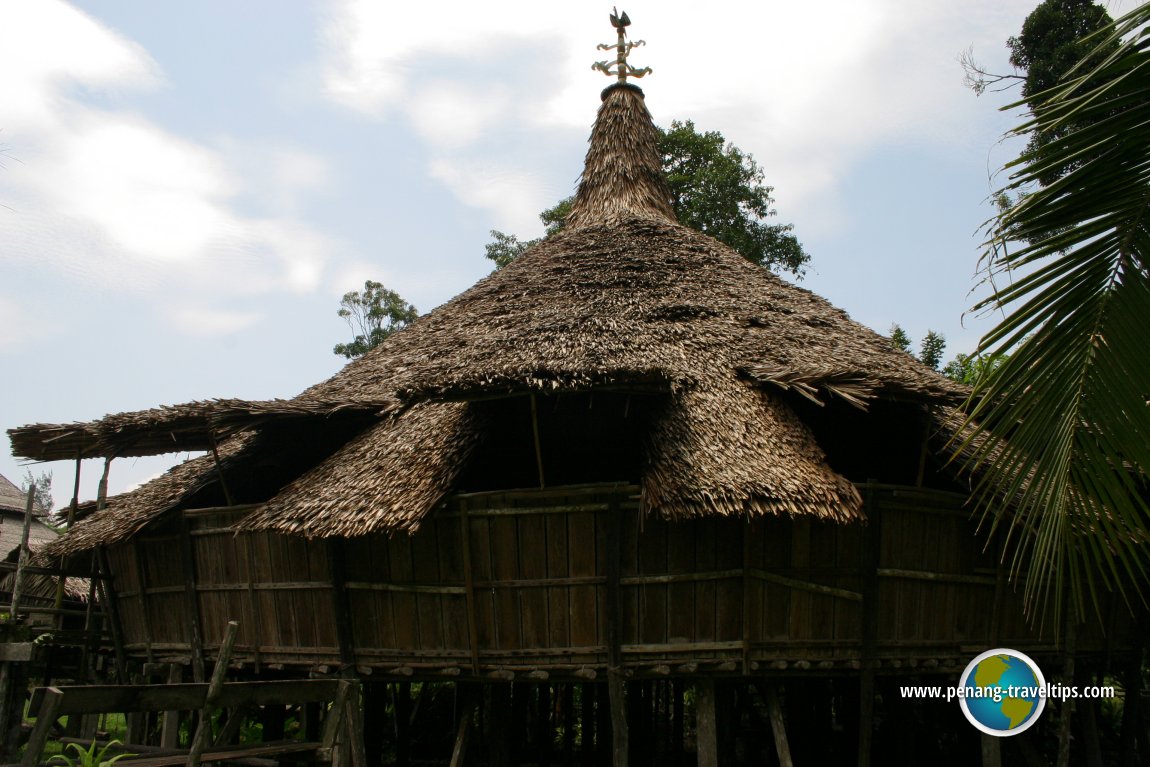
{"points": [[403, 724], [538, 441], [469, 586], [706, 727], [142, 598], [620, 736], [870, 609], [587, 717], [253, 599], [192, 600], [170, 727], [108, 597], [215, 687], [778, 726], [1066, 710], [220, 469], [747, 597], [22, 559], [340, 606], [61, 581]]}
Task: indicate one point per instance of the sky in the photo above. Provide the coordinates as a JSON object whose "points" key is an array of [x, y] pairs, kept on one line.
{"points": [[187, 189]]}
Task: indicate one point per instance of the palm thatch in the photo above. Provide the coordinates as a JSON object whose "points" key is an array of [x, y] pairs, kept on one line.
{"points": [[187, 427], [624, 298]]}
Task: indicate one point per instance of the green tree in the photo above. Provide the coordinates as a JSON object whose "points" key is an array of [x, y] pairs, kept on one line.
{"points": [[715, 188], [1062, 427], [969, 368], [42, 495], [372, 315], [899, 338], [930, 351]]}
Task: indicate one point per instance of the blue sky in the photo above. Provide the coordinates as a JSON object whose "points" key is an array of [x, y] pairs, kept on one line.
{"points": [[186, 189]]}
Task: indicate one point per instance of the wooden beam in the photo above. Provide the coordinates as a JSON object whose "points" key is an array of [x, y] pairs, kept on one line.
{"points": [[106, 588]]}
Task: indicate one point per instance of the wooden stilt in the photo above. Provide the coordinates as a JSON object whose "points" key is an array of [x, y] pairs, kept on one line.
{"points": [[544, 725], [1066, 710], [706, 727], [462, 734], [991, 750], [403, 724], [219, 673], [500, 721], [170, 727], [587, 718], [566, 694], [870, 592], [778, 726], [677, 729]]}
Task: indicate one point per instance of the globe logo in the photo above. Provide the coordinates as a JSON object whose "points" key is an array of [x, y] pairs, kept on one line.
{"points": [[1003, 692]]}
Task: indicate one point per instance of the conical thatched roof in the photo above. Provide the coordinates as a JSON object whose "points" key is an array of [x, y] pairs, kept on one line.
{"points": [[624, 298]]}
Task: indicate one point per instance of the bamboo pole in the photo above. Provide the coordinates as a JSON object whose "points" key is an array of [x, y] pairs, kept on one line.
{"points": [[215, 687], [61, 582], [18, 586]]}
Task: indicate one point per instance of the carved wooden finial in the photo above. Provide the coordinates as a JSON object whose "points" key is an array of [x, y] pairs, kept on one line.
{"points": [[622, 70]]}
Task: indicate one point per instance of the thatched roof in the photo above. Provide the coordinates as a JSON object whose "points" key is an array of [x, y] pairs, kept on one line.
{"points": [[624, 298], [187, 427]]}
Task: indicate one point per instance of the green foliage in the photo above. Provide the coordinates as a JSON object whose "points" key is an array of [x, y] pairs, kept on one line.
{"points": [[715, 188], [43, 493], [899, 338], [930, 353], [970, 368], [372, 315], [91, 756], [1062, 426], [1055, 39]]}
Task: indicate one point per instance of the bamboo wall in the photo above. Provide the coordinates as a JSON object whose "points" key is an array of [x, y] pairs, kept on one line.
{"points": [[532, 580]]}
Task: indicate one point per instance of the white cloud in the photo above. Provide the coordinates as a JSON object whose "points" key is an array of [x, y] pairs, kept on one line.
{"points": [[514, 197], [102, 194], [808, 88], [206, 322]]}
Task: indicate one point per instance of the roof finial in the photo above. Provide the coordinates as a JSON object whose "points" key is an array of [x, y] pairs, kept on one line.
{"points": [[622, 68]]}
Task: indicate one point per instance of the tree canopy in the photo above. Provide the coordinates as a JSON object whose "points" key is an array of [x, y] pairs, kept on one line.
{"points": [[1062, 427], [372, 315], [715, 188]]}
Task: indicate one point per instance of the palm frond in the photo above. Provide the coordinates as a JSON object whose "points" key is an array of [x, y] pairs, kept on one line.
{"points": [[1060, 432]]}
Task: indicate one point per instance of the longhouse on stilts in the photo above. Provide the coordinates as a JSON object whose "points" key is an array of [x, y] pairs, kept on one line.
{"points": [[630, 454]]}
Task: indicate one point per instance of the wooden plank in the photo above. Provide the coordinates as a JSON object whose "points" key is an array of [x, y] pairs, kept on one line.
{"points": [[778, 726], [558, 568], [729, 592], [48, 711], [533, 603], [84, 699], [620, 737], [425, 557], [340, 606], [505, 566], [479, 533], [704, 530], [142, 573], [681, 594], [581, 558], [224, 755], [469, 585], [192, 604], [404, 610], [651, 546]]}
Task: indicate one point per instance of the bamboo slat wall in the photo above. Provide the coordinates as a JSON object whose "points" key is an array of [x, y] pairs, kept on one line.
{"points": [[521, 580]]}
